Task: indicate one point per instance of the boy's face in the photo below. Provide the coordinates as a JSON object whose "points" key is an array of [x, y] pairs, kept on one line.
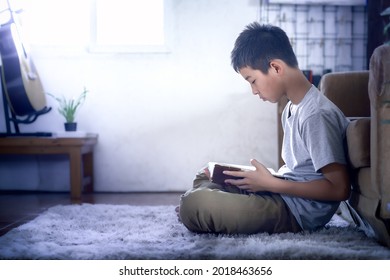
{"points": [[266, 86]]}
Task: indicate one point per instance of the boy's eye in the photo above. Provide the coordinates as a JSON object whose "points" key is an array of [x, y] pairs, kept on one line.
{"points": [[253, 81]]}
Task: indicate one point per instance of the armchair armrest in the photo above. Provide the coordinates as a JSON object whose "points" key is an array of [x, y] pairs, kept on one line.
{"points": [[358, 142]]}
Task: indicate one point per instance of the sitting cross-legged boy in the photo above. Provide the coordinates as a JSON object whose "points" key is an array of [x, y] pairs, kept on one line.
{"points": [[315, 177]]}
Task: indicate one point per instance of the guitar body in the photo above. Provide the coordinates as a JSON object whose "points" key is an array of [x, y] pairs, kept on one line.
{"points": [[23, 88]]}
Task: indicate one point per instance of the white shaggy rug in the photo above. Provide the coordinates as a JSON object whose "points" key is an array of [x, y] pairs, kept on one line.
{"points": [[154, 232]]}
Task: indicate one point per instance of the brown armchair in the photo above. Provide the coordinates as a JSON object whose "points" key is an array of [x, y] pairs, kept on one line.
{"points": [[364, 97]]}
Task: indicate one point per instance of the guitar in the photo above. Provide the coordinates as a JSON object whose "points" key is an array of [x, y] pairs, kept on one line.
{"points": [[21, 82]]}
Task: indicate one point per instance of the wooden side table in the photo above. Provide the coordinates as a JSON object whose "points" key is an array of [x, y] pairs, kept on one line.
{"points": [[79, 150]]}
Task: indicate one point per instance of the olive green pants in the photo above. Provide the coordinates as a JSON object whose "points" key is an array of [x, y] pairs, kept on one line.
{"points": [[213, 208]]}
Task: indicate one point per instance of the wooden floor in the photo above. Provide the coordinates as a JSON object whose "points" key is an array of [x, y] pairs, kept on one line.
{"points": [[17, 208]]}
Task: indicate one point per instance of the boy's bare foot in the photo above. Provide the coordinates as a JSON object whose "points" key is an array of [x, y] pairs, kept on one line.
{"points": [[207, 172]]}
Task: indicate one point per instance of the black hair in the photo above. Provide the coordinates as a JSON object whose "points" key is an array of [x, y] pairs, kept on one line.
{"points": [[258, 44]]}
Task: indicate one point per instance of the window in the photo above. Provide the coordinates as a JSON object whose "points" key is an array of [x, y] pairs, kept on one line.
{"points": [[99, 25], [56, 23], [129, 26]]}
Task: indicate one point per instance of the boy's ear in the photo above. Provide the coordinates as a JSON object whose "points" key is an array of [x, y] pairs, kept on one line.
{"points": [[276, 66]]}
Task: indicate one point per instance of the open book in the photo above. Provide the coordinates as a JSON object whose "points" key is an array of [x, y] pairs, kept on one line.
{"points": [[216, 171]]}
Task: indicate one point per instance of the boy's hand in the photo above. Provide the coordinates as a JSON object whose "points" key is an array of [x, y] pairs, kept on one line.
{"points": [[252, 181]]}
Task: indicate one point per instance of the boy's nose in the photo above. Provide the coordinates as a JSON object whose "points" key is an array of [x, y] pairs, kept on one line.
{"points": [[254, 90]]}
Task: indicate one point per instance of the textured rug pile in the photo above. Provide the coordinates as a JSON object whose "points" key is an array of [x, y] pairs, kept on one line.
{"points": [[153, 232]]}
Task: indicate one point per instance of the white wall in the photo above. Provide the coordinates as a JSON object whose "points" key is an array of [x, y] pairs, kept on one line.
{"points": [[160, 117]]}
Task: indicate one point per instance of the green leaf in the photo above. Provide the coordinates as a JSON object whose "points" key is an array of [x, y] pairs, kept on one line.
{"points": [[68, 108]]}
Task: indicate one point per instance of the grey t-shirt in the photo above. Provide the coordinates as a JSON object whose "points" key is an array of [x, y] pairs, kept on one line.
{"points": [[314, 132]]}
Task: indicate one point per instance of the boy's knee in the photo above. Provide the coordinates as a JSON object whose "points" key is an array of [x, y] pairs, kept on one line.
{"points": [[191, 201], [194, 209]]}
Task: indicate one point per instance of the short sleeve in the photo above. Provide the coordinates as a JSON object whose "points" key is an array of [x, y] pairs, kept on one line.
{"points": [[323, 135]]}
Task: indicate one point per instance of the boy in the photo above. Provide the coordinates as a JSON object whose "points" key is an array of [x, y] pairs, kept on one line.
{"points": [[315, 173]]}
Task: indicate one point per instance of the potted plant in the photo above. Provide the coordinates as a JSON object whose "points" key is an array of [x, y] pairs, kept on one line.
{"points": [[68, 108]]}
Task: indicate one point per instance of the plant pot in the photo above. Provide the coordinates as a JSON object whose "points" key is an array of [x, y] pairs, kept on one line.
{"points": [[70, 126]]}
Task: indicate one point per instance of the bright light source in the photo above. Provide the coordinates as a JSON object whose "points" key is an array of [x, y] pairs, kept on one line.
{"points": [[130, 22], [57, 22]]}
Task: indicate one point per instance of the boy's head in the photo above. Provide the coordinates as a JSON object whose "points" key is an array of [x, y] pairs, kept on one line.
{"points": [[258, 44]]}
